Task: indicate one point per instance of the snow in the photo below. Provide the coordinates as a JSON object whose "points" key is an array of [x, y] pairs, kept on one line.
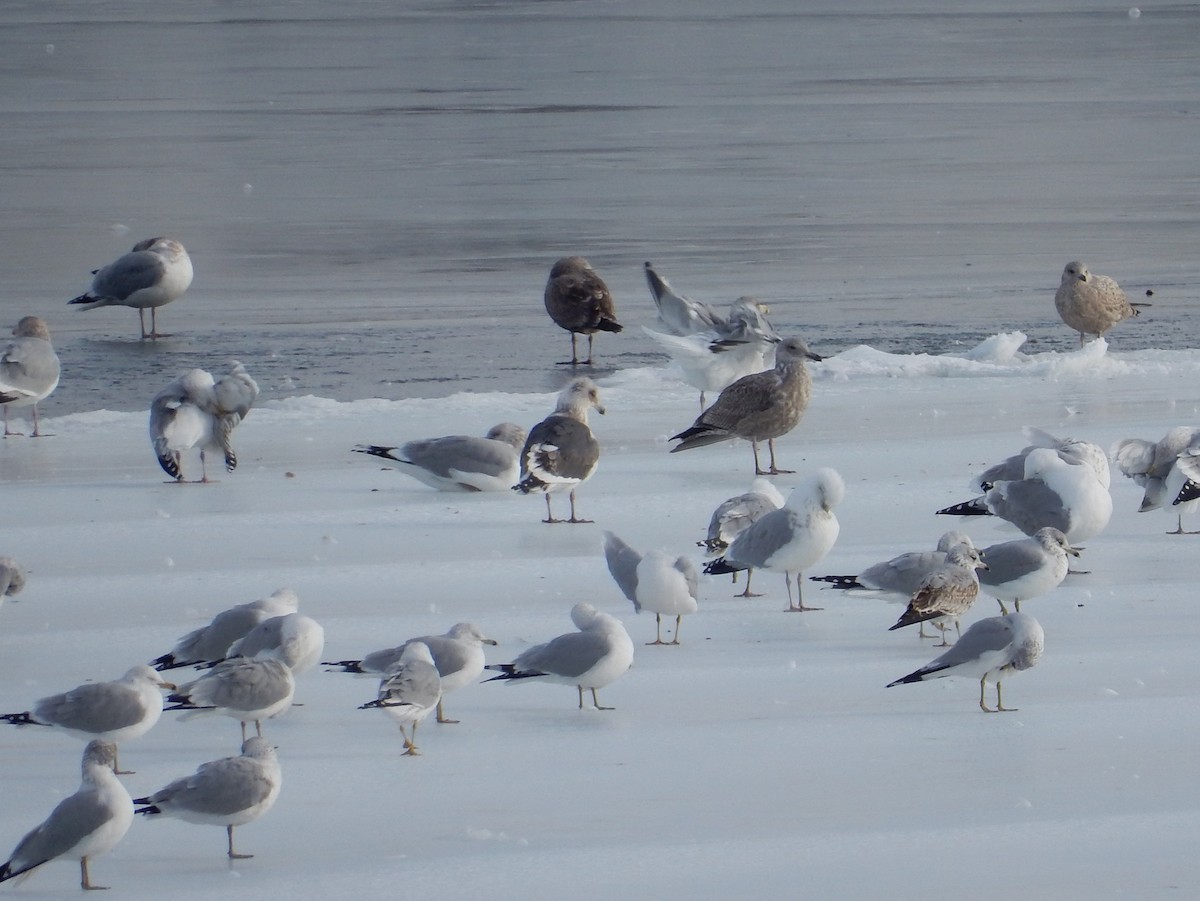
{"points": [[763, 757]]}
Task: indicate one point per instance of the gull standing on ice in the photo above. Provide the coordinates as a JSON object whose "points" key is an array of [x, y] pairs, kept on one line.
{"points": [[459, 462], [561, 451], [12, 578], [249, 689], [458, 656], [1091, 304], [293, 638], [210, 643], [734, 515], [1053, 492], [903, 574], [197, 411], [29, 369], [85, 825], [409, 692], [946, 593], [653, 581], [115, 712], [229, 792], [596, 655], [1162, 469], [991, 648], [578, 300], [156, 272], [1026, 568], [758, 407], [790, 539]]}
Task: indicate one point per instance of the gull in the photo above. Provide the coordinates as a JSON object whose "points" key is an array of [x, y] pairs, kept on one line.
{"points": [[12, 578], [790, 539], [228, 792], [458, 656], [561, 451], [29, 369], [459, 462], [249, 689], [1052, 492], [1027, 567], [653, 581], [758, 407], [947, 592], [156, 272], [293, 638], [1091, 304], [901, 575], [596, 655], [1162, 469], [409, 692], [732, 516], [578, 300], [1069, 450], [115, 712], [680, 314], [85, 825], [991, 648], [196, 410], [210, 643]]}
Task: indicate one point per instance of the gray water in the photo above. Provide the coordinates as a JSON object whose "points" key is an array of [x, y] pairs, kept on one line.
{"points": [[373, 192]]}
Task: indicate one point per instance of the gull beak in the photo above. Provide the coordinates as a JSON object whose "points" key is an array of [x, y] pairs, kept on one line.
{"points": [[1074, 551], [490, 641], [169, 686]]}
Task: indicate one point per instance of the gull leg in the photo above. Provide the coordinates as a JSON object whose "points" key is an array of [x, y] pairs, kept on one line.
{"points": [[549, 513], [758, 470], [574, 518], [596, 701], [678, 620], [748, 593], [657, 630], [85, 881], [142, 322], [775, 470], [580, 689], [982, 703], [410, 744], [8, 432], [441, 716], [1000, 703], [233, 855], [942, 628], [1003, 609], [588, 361], [243, 731], [799, 606], [37, 433]]}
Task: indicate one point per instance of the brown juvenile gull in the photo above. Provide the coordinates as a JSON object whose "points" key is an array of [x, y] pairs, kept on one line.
{"points": [[653, 581], [459, 462], [757, 407], [156, 272], [196, 410], [561, 451], [790, 539], [1091, 304], [1161, 468], [409, 692], [228, 792], [578, 300], [458, 656], [29, 369], [947, 592], [991, 648], [599, 653], [85, 825], [115, 712]]}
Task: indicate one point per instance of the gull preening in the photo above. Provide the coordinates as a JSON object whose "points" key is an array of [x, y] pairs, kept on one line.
{"points": [[409, 691], [561, 452], [196, 410], [732, 517], [653, 581], [1026, 567], [680, 314], [293, 638], [758, 407], [578, 300], [599, 653], [249, 689], [791, 539], [82, 826], [1069, 450], [1164, 469], [156, 272], [29, 369], [1091, 304], [210, 643], [946, 593], [458, 656], [459, 462], [903, 574], [115, 712], [228, 792], [991, 649]]}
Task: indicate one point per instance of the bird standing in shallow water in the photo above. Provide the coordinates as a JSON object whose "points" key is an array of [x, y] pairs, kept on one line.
{"points": [[578, 300], [154, 273], [757, 407]]}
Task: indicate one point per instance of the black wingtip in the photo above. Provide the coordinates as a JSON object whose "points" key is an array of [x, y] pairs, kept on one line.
{"points": [[839, 581], [1189, 492], [721, 566], [347, 666], [973, 507]]}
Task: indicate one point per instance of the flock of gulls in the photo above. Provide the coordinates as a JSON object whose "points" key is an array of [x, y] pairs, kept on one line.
{"points": [[246, 660]]}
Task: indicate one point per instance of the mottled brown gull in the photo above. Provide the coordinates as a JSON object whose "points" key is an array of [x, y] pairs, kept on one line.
{"points": [[154, 273], [947, 592], [758, 407], [1091, 304], [578, 300]]}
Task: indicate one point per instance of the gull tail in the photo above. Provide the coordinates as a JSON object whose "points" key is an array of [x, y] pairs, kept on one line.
{"points": [[347, 666], [147, 810], [508, 672], [699, 436], [376, 450], [911, 617], [20, 719], [839, 581], [973, 507], [1189, 492], [168, 661], [720, 566]]}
